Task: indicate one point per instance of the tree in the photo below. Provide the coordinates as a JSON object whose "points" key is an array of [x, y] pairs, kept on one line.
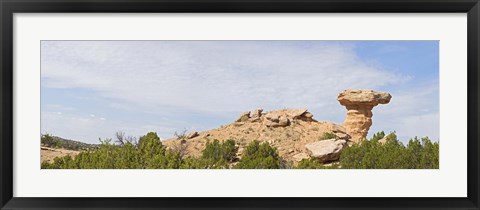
{"points": [[392, 154], [260, 156]]}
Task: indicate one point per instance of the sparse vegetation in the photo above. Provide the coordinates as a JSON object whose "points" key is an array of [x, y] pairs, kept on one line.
{"points": [[150, 153], [327, 135], [57, 142], [260, 156], [219, 155], [313, 164], [371, 154]]}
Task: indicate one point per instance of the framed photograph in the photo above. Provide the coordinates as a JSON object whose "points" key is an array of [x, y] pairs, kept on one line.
{"points": [[239, 104]]}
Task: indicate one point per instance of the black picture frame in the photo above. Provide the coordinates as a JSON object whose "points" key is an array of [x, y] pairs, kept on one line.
{"points": [[9, 7]]}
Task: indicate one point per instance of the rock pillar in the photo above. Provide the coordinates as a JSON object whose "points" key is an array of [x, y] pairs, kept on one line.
{"points": [[359, 104]]}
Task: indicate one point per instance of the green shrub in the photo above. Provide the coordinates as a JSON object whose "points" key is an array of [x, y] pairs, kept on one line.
{"points": [[219, 155], [260, 156], [393, 154], [327, 135], [149, 153]]}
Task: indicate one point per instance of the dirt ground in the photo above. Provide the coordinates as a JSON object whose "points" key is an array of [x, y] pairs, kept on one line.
{"points": [[48, 154]]}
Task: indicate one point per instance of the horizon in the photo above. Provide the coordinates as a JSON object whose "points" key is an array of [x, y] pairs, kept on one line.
{"points": [[92, 89]]}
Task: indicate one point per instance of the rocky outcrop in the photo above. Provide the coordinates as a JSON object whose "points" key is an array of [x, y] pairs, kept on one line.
{"points": [[192, 135], [257, 113], [244, 117], [282, 118], [288, 130], [278, 118], [326, 150], [359, 104]]}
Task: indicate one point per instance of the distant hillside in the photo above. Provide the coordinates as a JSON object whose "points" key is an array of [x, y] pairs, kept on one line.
{"points": [[58, 142]]}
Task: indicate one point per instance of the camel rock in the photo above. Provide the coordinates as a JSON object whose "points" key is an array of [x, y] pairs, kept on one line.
{"points": [[359, 104]]}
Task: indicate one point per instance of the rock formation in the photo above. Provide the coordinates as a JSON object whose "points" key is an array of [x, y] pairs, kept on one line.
{"points": [[192, 135], [326, 150], [244, 117], [288, 130], [359, 104], [282, 118]]}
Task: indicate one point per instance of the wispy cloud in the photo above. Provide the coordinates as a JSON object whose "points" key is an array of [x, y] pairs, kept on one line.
{"points": [[196, 83]]}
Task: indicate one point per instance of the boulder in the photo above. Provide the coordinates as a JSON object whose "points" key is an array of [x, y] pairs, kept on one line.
{"points": [[283, 121], [326, 150], [272, 116], [295, 113], [341, 135], [257, 113]]}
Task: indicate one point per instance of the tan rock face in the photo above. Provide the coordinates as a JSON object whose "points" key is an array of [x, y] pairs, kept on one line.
{"points": [[289, 130], [359, 104]]}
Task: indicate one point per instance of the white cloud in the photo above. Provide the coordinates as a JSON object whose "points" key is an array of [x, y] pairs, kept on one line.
{"points": [[223, 79], [88, 129], [59, 107], [413, 111], [212, 77]]}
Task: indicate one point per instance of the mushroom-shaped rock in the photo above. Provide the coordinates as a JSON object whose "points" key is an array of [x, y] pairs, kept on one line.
{"points": [[359, 104]]}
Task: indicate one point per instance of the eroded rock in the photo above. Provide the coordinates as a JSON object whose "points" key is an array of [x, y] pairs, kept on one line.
{"points": [[244, 117], [326, 150], [192, 135], [359, 104]]}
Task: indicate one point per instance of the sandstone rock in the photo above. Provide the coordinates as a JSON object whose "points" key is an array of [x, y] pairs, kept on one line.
{"points": [[283, 121], [244, 117], [238, 123], [283, 118], [363, 98], [341, 135], [359, 104], [384, 139], [192, 135], [308, 115], [272, 116], [326, 150], [256, 119], [336, 128], [300, 156], [295, 113], [257, 113], [272, 119]]}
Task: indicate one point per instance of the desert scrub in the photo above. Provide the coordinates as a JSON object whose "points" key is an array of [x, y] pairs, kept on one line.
{"points": [[327, 135], [260, 156], [371, 154], [150, 153]]}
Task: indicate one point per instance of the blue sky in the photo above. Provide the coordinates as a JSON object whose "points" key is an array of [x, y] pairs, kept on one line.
{"points": [[91, 89]]}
